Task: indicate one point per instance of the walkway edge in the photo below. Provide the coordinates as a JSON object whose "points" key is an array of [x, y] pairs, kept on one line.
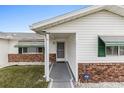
{"points": [[51, 80], [50, 83], [71, 80], [51, 68]]}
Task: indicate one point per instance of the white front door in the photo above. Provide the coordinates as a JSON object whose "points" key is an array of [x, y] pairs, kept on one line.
{"points": [[60, 51]]}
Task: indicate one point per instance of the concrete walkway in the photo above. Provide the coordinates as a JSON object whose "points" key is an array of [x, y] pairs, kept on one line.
{"points": [[60, 75]]}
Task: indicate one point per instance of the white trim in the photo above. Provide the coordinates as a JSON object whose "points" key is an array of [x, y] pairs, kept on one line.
{"points": [[76, 77], [45, 69], [75, 14], [119, 51], [65, 16], [47, 57]]}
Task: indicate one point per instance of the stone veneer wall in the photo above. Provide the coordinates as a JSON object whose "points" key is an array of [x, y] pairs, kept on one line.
{"points": [[29, 58], [102, 72]]}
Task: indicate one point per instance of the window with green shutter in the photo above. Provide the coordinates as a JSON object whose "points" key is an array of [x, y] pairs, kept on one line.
{"points": [[101, 48]]}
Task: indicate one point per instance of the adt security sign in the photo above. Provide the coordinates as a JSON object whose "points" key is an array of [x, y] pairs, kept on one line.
{"points": [[86, 76]]}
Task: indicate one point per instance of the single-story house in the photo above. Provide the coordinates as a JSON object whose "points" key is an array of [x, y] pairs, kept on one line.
{"points": [[21, 49], [91, 40]]}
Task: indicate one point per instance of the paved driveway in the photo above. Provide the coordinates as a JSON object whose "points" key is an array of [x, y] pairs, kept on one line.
{"points": [[60, 75]]}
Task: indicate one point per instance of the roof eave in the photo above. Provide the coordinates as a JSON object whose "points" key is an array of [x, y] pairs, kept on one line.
{"points": [[40, 26]]}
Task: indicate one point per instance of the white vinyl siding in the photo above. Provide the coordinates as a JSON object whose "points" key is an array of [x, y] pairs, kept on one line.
{"points": [[71, 53], [52, 46], [4, 46], [100, 23], [12, 48], [87, 30]]}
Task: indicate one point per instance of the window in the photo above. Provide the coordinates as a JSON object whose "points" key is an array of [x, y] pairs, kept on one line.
{"points": [[121, 50], [112, 50], [22, 50], [115, 50], [32, 49], [40, 49], [106, 46]]}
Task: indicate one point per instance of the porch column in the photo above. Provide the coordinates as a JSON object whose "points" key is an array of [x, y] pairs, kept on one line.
{"points": [[47, 57]]}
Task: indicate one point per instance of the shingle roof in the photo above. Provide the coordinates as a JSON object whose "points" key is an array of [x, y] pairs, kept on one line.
{"points": [[21, 36]]}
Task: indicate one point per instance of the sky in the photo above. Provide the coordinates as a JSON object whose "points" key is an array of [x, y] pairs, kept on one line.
{"points": [[18, 18]]}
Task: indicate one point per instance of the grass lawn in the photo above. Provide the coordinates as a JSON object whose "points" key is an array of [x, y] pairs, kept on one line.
{"points": [[22, 77]]}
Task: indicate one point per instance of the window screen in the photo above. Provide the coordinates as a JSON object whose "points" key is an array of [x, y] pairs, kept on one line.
{"points": [[112, 50]]}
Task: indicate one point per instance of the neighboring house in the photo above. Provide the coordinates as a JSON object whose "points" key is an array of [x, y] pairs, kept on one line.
{"points": [[21, 49], [91, 40]]}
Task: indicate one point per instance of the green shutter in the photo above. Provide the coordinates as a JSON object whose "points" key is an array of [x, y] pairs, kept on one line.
{"points": [[101, 48]]}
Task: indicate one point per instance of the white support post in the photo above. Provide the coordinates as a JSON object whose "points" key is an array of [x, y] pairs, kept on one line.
{"points": [[47, 57]]}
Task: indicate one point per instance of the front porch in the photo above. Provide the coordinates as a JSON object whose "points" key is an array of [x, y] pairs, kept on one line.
{"points": [[64, 46]]}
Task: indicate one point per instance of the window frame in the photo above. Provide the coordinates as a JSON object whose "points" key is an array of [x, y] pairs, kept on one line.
{"points": [[112, 51], [118, 50], [22, 50]]}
